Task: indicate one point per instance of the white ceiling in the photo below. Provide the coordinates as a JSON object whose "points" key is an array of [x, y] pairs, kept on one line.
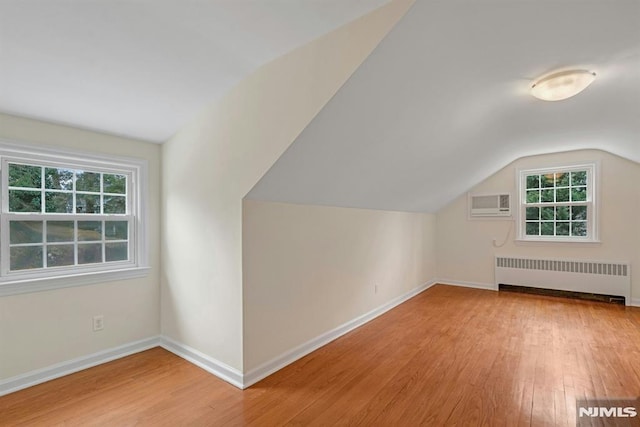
{"points": [[443, 103], [143, 68]]}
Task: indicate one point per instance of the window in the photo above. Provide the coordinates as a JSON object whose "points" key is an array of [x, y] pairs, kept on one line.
{"points": [[68, 216], [558, 204]]}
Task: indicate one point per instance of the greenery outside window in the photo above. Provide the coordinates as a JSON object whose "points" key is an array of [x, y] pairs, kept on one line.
{"points": [[558, 204], [64, 216]]}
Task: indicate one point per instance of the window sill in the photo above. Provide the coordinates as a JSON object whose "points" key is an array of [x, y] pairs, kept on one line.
{"points": [[543, 242], [25, 286]]}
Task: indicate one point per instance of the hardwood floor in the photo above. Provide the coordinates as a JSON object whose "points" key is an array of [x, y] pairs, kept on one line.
{"points": [[450, 356]]}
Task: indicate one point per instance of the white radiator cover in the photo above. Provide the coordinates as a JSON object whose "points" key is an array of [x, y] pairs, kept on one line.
{"points": [[596, 277]]}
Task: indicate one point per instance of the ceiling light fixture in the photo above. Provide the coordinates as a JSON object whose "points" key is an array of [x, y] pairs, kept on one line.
{"points": [[562, 85]]}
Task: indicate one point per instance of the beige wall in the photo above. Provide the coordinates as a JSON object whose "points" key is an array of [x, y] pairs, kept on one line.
{"points": [[214, 161], [308, 269], [43, 328], [465, 247]]}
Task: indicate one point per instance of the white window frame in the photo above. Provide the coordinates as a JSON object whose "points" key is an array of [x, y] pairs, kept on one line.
{"points": [[592, 196], [26, 281]]}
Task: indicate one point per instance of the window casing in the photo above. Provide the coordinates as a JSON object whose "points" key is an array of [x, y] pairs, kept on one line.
{"points": [[68, 218], [558, 204]]}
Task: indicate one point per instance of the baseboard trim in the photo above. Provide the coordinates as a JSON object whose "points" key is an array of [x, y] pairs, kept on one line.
{"points": [[58, 370], [462, 283], [213, 366], [268, 368], [208, 363]]}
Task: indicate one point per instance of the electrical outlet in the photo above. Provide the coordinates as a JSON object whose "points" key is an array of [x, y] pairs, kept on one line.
{"points": [[98, 323], [375, 288]]}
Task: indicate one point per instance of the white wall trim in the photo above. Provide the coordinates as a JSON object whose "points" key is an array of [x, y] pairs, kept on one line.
{"points": [[635, 302], [462, 283], [279, 362], [208, 363], [58, 370], [213, 366]]}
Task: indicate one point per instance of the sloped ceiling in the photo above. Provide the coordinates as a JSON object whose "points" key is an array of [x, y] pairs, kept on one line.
{"points": [[443, 103], [143, 68]]}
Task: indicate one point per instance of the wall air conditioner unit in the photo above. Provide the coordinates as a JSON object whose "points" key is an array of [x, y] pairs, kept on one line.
{"points": [[489, 205]]}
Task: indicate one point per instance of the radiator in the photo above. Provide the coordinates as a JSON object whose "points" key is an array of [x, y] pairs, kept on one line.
{"points": [[595, 277]]}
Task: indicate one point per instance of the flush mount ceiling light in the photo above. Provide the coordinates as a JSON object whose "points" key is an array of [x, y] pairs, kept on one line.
{"points": [[562, 85]]}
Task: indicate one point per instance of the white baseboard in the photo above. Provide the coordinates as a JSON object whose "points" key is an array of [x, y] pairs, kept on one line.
{"points": [[58, 370], [208, 363], [213, 366], [462, 283], [302, 350]]}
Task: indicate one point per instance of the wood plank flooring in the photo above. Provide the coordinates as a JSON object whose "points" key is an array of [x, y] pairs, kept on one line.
{"points": [[450, 356]]}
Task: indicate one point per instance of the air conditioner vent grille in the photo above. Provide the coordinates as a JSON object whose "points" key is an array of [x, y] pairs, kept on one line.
{"points": [[489, 205], [483, 202], [504, 201]]}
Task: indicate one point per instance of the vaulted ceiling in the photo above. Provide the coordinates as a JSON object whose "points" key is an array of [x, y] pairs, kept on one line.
{"points": [[143, 68], [444, 102], [441, 103]]}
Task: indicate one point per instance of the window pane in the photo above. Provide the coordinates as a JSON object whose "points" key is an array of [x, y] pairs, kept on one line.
{"points": [[25, 258], [556, 203], [70, 217], [116, 251], [89, 253], [562, 229], [533, 196], [114, 183], [59, 255], [533, 213], [24, 201], [89, 231], [546, 228], [58, 179], [562, 195], [87, 181], [547, 180], [25, 176], [86, 203], [562, 179], [579, 194], [533, 181], [115, 204], [547, 213], [116, 230], [579, 228], [25, 232], [547, 195], [579, 213], [59, 231], [58, 202], [562, 213], [579, 178]]}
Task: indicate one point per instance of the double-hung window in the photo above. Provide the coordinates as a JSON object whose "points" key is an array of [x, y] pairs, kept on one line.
{"points": [[68, 217], [558, 204]]}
